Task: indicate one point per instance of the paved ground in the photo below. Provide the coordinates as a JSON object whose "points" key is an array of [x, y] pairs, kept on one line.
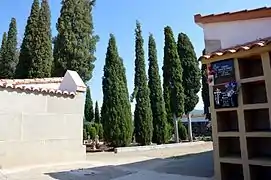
{"points": [[192, 162]]}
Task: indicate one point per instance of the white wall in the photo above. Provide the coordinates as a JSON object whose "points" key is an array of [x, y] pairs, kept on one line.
{"points": [[237, 32], [38, 129]]}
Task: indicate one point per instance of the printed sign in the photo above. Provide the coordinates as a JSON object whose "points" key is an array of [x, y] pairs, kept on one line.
{"points": [[226, 96], [223, 71]]}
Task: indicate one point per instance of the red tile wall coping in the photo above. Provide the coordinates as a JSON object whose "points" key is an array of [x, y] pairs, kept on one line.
{"points": [[33, 81], [243, 47], [263, 12], [18, 84]]}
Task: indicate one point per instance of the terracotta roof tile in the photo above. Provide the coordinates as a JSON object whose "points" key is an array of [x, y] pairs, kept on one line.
{"points": [[242, 47], [29, 85], [262, 12], [33, 81]]}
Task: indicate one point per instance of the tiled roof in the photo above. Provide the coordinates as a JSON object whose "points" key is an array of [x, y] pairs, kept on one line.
{"points": [[32, 81], [234, 16], [243, 47], [37, 85]]}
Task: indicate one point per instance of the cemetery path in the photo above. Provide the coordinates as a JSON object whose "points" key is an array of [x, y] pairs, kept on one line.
{"points": [[193, 162]]}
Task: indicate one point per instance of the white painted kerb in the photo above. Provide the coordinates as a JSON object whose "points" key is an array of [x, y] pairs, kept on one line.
{"points": [[154, 147]]}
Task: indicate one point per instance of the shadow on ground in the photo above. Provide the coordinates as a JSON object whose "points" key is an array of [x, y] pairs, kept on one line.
{"points": [[197, 165]]}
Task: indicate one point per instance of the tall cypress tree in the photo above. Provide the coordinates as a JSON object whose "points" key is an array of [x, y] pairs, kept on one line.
{"points": [[191, 76], [116, 109], [74, 46], [29, 43], [43, 55], [143, 114], [89, 114], [156, 96], [172, 73], [97, 118], [10, 58], [205, 89], [3, 50]]}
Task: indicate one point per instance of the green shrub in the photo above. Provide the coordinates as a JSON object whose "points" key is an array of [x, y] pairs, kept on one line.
{"points": [[101, 131], [182, 131], [97, 127], [92, 132], [85, 134], [94, 129], [170, 130]]}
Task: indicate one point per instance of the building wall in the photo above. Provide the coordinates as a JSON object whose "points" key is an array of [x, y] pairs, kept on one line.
{"points": [[40, 129], [227, 34]]}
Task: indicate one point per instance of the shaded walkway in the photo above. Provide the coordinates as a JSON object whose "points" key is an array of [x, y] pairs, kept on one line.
{"points": [[189, 162], [197, 165]]}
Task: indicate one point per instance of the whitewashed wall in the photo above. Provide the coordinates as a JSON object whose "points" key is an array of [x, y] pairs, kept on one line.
{"points": [[40, 129], [236, 32]]}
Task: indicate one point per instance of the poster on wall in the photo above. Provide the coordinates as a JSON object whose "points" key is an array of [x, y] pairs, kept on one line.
{"points": [[223, 71], [226, 96]]}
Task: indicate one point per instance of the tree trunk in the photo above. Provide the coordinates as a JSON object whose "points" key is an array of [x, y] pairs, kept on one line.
{"points": [[190, 135], [177, 140]]}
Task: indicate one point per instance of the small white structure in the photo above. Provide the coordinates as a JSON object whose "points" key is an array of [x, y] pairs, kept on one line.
{"points": [[41, 120]]}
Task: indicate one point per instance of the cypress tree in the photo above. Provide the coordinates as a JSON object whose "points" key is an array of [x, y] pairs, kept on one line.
{"points": [[191, 76], [116, 109], [172, 73], [43, 56], [89, 114], [143, 114], [205, 89], [74, 46], [10, 58], [97, 114], [3, 50], [156, 96], [29, 43]]}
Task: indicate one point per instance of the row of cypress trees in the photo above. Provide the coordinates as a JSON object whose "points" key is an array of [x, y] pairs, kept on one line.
{"points": [[8, 51], [91, 114], [74, 47], [40, 55], [155, 108]]}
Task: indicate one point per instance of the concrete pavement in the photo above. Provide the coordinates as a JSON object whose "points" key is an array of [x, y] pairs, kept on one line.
{"points": [[192, 162]]}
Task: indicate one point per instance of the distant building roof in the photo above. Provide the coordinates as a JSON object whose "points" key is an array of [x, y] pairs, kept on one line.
{"points": [[67, 85], [197, 119]]}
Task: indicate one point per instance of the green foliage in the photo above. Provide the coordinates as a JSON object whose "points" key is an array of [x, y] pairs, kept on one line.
{"points": [[172, 73], [205, 89], [182, 131], [9, 57], [97, 118], [89, 114], [29, 43], [156, 96], [143, 114], [85, 134], [191, 72], [97, 127], [75, 44], [3, 50], [101, 131], [92, 132], [42, 58], [170, 130], [93, 129], [116, 114]]}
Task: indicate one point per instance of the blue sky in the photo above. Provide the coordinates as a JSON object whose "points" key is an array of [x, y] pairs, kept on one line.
{"points": [[119, 17]]}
